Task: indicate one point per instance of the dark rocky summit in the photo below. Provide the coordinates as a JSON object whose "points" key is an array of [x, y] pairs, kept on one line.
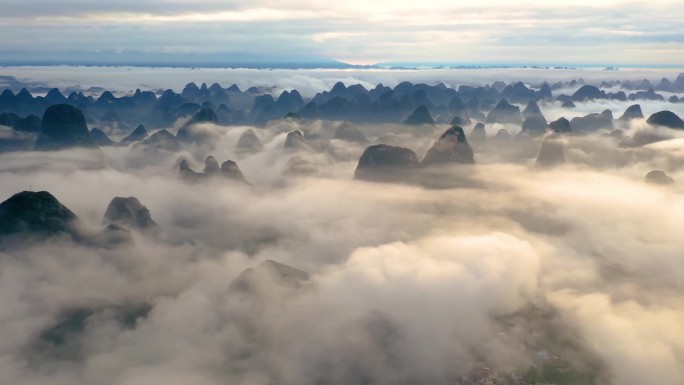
{"points": [[534, 125], [231, 170], [658, 177], [100, 138], [187, 173], [505, 113], [139, 134], [531, 109], [267, 277], [666, 119], [588, 92], [632, 112], [36, 213], [420, 116], [162, 140], [451, 147], [63, 126], [592, 122], [561, 125], [211, 166], [383, 162], [295, 141], [228, 169], [128, 212]]}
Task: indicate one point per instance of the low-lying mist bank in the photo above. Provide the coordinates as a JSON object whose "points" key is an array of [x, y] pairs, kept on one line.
{"points": [[529, 271]]}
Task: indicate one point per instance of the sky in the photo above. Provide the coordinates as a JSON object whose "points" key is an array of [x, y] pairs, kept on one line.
{"points": [[578, 32]]}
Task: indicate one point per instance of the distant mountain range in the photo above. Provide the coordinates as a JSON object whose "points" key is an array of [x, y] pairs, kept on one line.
{"points": [[147, 59]]}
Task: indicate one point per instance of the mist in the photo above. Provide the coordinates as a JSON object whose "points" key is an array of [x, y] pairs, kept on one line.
{"points": [[501, 264]]}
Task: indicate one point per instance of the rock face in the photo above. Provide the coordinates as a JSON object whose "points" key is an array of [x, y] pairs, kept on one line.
{"points": [[128, 212], [162, 140], [478, 134], [249, 141], [505, 113], [632, 112], [100, 138], [351, 133], [531, 109], [534, 125], [205, 115], [267, 277], [63, 126], [451, 147], [228, 169], [658, 177], [211, 166], [139, 134], [420, 116], [561, 125], [379, 160], [295, 140], [35, 213], [666, 119], [588, 92], [552, 151], [186, 172], [592, 122], [231, 170]]}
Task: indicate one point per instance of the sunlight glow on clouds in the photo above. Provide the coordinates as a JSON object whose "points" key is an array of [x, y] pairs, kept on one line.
{"points": [[465, 31]]}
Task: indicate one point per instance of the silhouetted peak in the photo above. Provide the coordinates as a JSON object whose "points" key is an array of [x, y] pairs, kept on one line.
{"points": [[379, 159], [420, 116], [128, 212], [211, 165], [561, 125], [30, 212], [338, 88], [100, 138], [231, 170], [658, 177], [451, 147], [63, 126], [632, 112], [295, 140], [162, 140], [267, 277], [666, 119], [140, 133]]}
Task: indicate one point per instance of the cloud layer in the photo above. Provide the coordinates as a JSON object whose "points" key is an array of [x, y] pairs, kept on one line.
{"points": [[492, 31]]}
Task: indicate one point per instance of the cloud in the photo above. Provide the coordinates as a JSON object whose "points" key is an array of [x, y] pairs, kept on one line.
{"points": [[408, 283], [484, 32]]}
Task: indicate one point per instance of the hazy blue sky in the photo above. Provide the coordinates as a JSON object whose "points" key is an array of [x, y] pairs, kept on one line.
{"points": [[359, 31]]}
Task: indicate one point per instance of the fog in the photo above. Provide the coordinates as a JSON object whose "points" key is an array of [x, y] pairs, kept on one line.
{"points": [[499, 264], [127, 79]]}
